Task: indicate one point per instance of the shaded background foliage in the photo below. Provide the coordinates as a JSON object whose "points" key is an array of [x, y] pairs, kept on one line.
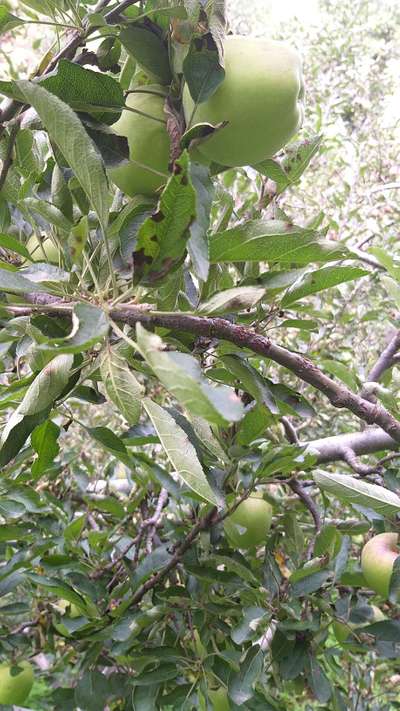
{"points": [[90, 504]]}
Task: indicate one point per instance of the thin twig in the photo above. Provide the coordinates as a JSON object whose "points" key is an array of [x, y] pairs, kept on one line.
{"points": [[310, 504], [384, 362]]}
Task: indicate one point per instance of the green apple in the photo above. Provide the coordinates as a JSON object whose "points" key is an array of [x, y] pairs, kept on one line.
{"points": [[16, 681], [377, 560], [149, 143], [219, 699], [342, 630], [248, 525], [261, 98], [42, 250]]}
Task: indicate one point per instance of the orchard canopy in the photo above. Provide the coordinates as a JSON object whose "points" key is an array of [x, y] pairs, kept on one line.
{"points": [[199, 356]]}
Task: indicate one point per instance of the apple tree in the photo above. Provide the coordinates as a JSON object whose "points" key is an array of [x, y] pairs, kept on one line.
{"points": [[183, 495]]}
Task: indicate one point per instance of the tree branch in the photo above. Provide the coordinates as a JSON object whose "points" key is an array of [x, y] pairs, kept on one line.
{"points": [[384, 362], [310, 504], [338, 394], [333, 449]]}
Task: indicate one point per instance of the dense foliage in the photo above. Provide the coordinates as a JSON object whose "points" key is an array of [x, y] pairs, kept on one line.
{"points": [[189, 378]]}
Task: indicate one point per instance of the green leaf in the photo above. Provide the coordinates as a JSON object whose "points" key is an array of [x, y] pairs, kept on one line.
{"points": [[14, 283], [50, 213], [16, 432], [354, 491], [179, 451], [203, 71], [232, 300], [162, 238], [319, 280], [44, 442], [67, 132], [12, 244], [198, 242], [47, 386], [111, 443], [241, 685], [180, 373], [89, 326], [272, 241], [86, 90], [340, 371], [149, 50], [7, 20], [120, 384]]}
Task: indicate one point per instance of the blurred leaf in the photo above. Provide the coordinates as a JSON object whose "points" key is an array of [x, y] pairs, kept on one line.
{"points": [[241, 685], [198, 242], [232, 300], [11, 243], [7, 20]]}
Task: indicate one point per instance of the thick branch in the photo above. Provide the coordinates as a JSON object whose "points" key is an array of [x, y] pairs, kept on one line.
{"points": [[384, 362], [242, 336], [332, 449]]}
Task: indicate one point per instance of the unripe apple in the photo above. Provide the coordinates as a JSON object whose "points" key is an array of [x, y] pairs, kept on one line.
{"points": [[149, 143], [16, 681], [377, 560], [261, 98], [343, 630], [219, 699], [42, 250], [248, 525]]}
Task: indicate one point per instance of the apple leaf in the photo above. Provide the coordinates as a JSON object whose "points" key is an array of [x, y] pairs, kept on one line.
{"points": [[180, 451], [354, 491]]}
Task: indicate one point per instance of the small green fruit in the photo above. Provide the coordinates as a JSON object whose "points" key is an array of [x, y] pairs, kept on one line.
{"points": [[248, 526], [377, 560], [16, 681], [261, 98], [149, 143]]}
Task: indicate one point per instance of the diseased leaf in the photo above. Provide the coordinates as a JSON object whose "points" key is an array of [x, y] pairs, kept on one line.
{"points": [[358, 492], [120, 384], [7, 20], [180, 451], [67, 132], [180, 373], [162, 238]]}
